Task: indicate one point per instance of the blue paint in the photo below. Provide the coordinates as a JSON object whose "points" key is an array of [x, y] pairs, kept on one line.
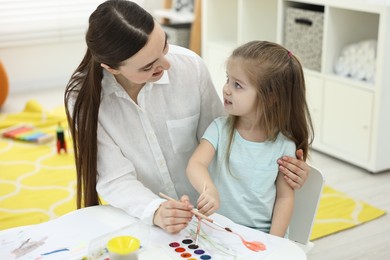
{"points": [[56, 251]]}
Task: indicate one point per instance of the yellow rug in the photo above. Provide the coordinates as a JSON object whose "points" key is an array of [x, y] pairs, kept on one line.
{"points": [[37, 184], [338, 211]]}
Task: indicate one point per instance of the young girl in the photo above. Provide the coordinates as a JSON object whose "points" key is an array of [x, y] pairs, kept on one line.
{"points": [[268, 118]]}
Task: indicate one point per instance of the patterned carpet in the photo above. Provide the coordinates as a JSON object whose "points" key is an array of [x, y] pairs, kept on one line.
{"points": [[37, 184], [338, 211]]}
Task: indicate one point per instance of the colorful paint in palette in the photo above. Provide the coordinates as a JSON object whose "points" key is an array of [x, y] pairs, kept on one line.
{"points": [[193, 246], [199, 252], [187, 241], [185, 255], [174, 244], [191, 254], [180, 249]]}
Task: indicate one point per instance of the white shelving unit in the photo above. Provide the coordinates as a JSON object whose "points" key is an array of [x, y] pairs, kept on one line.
{"points": [[351, 117], [227, 24], [174, 17]]}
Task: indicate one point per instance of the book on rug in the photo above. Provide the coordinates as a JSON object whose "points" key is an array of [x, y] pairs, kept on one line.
{"points": [[27, 133]]}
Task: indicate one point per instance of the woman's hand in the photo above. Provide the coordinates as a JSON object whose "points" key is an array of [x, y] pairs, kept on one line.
{"points": [[174, 216], [295, 170], [208, 201]]}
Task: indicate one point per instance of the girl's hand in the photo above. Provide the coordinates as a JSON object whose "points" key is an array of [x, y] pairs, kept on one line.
{"points": [[295, 170], [173, 216], [208, 201]]}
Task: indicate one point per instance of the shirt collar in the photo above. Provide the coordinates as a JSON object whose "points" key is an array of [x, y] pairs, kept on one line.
{"points": [[110, 85], [164, 79]]}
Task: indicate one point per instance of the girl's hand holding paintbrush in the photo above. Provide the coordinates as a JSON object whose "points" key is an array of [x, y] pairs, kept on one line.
{"points": [[173, 216], [208, 201]]}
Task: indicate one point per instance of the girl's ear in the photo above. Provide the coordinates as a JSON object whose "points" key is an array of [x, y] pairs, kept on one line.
{"points": [[109, 69]]}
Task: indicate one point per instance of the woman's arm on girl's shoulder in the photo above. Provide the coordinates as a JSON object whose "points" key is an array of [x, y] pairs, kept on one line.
{"points": [[283, 208], [295, 170]]}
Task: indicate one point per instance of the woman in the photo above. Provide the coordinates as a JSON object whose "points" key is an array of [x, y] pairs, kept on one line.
{"points": [[137, 109]]}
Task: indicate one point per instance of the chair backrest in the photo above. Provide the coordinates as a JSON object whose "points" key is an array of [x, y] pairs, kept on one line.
{"points": [[305, 207]]}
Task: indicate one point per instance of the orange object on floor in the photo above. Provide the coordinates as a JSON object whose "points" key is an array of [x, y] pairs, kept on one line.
{"points": [[4, 87]]}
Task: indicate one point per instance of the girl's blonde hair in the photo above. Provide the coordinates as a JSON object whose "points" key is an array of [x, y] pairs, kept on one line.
{"points": [[278, 76]]}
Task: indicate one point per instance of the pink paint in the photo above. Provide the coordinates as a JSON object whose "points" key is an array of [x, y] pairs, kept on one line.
{"points": [[174, 244], [251, 245]]}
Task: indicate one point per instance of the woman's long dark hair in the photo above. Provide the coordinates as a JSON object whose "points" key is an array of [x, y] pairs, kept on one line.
{"points": [[117, 30]]}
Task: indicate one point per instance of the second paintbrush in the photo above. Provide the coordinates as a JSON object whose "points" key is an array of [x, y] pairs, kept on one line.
{"points": [[197, 213]]}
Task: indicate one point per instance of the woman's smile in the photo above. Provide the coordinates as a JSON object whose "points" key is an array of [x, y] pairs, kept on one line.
{"points": [[158, 73]]}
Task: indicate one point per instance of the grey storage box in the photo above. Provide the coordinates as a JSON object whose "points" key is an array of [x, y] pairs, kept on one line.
{"points": [[303, 32], [178, 34]]}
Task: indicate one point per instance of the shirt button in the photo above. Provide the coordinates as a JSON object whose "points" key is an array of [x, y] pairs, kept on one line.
{"points": [[161, 163], [170, 186]]}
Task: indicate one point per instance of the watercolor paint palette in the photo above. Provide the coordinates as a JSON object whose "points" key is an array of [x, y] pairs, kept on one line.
{"points": [[213, 242], [186, 249], [27, 134]]}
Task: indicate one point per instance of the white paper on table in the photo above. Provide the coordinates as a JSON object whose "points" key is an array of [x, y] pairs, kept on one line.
{"points": [[56, 239]]}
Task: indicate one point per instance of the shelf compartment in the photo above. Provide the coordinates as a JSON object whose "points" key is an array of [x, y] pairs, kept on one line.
{"points": [[346, 27]]}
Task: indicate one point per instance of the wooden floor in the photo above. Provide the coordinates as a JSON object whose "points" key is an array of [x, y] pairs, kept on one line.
{"points": [[369, 241]]}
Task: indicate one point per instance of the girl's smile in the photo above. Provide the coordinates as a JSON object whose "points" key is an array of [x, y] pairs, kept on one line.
{"points": [[226, 102]]}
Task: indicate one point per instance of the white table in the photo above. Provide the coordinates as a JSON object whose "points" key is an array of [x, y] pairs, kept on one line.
{"points": [[67, 237]]}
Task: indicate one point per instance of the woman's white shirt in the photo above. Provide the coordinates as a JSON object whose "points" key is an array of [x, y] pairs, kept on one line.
{"points": [[144, 148]]}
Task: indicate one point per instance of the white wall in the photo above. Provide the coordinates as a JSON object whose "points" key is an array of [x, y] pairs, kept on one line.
{"points": [[41, 66], [152, 5], [48, 65]]}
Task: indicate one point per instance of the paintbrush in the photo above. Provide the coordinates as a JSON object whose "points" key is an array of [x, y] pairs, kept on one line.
{"points": [[197, 231], [196, 213], [199, 221]]}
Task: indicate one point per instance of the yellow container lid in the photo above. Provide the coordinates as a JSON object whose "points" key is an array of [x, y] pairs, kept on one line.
{"points": [[123, 245]]}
